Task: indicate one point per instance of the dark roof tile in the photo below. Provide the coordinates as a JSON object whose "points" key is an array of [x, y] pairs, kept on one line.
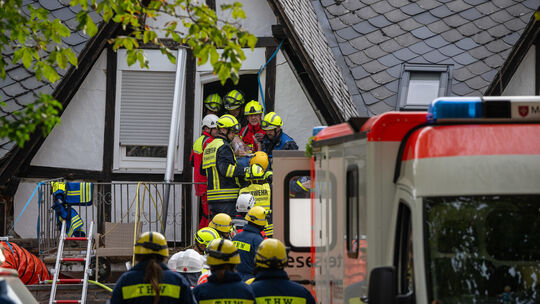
{"points": [[374, 52], [436, 42], [455, 20], [441, 11], [409, 24], [380, 107], [461, 89], [63, 14], [26, 99], [462, 74], [411, 9], [428, 4], [396, 15], [373, 67], [532, 4], [376, 37], [487, 8], [358, 58], [502, 3], [497, 46], [485, 23], [19, 73], [337, 10], [13, 89], [395, 71], [464, 58], [490, 75], [419, 60], [366, 13], [471, 14], [382, 92], [494, 61], [74, 39], [501, 16], [499, 31], [512, 38], [379, 21], [420, 48], [398, 3], [466, 44], [475, 2], [346, 48], [348, 33], [369, 99], [515, 24], [434, 56], [393, 85], [369, 2], [406, 39], [390, 46], [458, 6], [382, 77], [359, 72], [525, 18], [425, 18], [360, 105], [452, 35], [482, 37], [352, 5], [405, 54], [364, 28], [477, 83], [480, 52], [31, 83], [479, 67], [438, 27], [360, 43], [337, 23], [366, 84], [450, 50], [382, 7], [348, 19], [518, 10], [389, 60], [327, 3], [392, 31]]}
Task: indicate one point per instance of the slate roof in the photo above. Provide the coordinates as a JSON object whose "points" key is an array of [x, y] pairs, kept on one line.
{"points": [[20, 86], [371, 39]]}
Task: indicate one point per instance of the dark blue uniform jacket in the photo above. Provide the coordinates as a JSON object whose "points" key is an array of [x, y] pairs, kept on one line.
{"points": [[281, 142], [130, 287], [247, 243], [231, 291], [274, 286]]}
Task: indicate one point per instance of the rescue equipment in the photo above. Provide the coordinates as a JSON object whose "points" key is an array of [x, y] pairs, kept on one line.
{"points": [[67, 195], [30, 268]]}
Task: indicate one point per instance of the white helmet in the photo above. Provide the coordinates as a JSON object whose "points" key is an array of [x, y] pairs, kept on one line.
{"points": [[210, 121], [244, 202], [188, 261]]}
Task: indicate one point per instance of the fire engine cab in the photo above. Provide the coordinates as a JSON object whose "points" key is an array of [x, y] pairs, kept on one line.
{"points": [[440, 206]]}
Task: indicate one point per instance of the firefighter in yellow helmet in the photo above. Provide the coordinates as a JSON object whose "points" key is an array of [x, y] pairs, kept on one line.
{"points": [[275, 138], [224, 285], [220, 167], [150, 280], [272, 284], [261, 191], [222, 223], [252, 134], [233, 103], [249, 239], [203, 236], [212, 104], [261, 158]]}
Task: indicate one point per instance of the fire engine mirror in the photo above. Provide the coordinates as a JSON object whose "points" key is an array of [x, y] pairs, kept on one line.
{"points": [[382, 285]]}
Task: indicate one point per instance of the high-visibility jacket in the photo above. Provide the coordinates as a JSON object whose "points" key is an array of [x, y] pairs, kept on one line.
{"points": [[131, 288], [222, 171], [247, 133], [274, 286], [247, 243], [196, 159], [230, 290], [262, 194], [281, 142]]}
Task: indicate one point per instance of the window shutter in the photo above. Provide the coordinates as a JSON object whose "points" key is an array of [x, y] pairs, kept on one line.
{"points": [[145, 107]]}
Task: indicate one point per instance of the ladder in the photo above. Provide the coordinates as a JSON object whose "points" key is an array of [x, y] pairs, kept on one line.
{"points": [[60, 258]]}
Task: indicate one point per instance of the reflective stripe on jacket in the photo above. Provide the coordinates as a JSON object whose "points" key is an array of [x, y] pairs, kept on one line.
{"points": [[261, 192], [274, 286], [196, 159], [247, 243]]}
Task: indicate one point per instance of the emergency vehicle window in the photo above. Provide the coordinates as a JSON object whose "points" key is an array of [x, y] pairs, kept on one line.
{"points": [[353, 216], [299, 210], [404, 253]]}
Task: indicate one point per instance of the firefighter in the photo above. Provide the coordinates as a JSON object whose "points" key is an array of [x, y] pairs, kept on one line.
{"points": [[219, 165], [252, 134], [188, 263], [261, 158], [224, 285], [248, 241], [261, 191], [203, 236], [212, 104], [222, 223], [244, 202], [272, 284], [150, 280], [233, 102], [275, 138], [209, 129]]}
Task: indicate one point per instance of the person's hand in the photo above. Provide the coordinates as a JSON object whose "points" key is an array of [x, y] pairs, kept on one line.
{"points": [[258, 137]]}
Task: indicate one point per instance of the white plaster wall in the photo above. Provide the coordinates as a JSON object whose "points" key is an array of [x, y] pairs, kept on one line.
{"points": [[77, 142], [292, 105], [259, 16], [523, 81], [26, 227]]}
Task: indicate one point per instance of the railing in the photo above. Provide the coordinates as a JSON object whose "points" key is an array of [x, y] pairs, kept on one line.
{"points": [[124, 202]]}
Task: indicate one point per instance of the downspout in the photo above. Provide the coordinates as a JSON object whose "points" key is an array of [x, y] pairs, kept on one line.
{"points": [[179, 92]]}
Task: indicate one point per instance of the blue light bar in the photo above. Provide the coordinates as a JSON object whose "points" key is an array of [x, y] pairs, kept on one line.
{"points": [[455, 108], [317, 129]]}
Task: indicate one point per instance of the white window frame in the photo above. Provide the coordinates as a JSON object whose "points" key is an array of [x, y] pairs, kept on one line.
{"points": [[444, 83], [122, 163]]}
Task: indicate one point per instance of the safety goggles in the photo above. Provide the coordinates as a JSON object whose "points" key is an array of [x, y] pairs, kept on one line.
{"points": [[265, 125], [236, 128], [213, 106], [231, 103]]}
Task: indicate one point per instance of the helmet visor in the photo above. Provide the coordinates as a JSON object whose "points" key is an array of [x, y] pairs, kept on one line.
{"points": [[265, 125], [213, 106], [236, 128], [231, 103]]}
